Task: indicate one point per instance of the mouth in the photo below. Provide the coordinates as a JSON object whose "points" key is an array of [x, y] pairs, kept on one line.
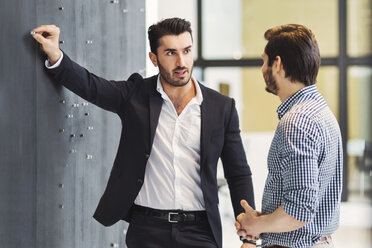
{"points": [[180, 72]]}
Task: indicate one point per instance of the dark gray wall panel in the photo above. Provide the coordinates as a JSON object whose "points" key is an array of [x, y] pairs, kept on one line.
{"points": [[54, 168], [17, 125]]}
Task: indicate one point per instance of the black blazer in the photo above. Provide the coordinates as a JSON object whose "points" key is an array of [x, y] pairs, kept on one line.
{"points": [[138, 104]]}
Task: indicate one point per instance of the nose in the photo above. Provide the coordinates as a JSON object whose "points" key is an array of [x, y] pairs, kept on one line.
{"points": [[180, 60]]}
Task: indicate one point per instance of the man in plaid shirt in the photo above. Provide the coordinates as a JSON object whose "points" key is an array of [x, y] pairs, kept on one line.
{"points": [[301, 200]]}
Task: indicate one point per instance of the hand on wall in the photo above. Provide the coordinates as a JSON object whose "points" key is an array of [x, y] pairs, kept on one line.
{"points": [[48, 37]]}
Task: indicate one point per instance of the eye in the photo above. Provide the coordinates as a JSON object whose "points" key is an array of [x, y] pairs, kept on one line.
{"points": [[187, 50], [170, 53]]}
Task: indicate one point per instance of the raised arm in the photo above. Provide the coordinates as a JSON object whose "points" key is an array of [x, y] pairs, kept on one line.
{"points": [[109, 95]]}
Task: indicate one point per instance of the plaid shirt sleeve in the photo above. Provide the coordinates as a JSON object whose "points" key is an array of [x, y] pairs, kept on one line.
{"points": [[299, 166]]}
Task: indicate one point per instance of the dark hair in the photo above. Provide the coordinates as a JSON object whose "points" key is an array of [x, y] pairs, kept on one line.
{"points": [[297, 47], [170, 26]]}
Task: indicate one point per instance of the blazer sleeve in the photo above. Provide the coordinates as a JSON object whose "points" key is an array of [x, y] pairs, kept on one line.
{"points": [[109, 95], [236, 168]]}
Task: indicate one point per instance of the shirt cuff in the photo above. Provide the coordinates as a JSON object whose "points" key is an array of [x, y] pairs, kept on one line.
{"points": [[47, 65], [299, 213]]}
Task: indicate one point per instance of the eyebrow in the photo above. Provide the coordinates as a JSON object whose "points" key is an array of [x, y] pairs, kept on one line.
{"points": [[173, 50]]}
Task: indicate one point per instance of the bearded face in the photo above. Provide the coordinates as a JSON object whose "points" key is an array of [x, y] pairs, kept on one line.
{"points": [[176, 77], [271, 84]]}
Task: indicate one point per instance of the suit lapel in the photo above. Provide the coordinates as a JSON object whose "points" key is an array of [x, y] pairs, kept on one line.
{"points": [[155, 103], [206, 121]]}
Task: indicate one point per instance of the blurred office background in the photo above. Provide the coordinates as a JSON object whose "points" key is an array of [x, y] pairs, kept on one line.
{"points": [[57, 150], [228, 37]]}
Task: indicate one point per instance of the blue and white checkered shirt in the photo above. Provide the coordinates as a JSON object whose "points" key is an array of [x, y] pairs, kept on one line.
{"points": [[305, 169]]}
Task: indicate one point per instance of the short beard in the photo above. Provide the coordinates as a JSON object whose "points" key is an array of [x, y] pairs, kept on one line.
{"points": [[271, 85], [168, 77]]}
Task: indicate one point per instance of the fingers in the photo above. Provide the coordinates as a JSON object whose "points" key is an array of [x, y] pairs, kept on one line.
{"points": [[249, 237], [237, 225], [48, 37], [242, 232], [240, 218], [246, 206], [52, 32], [39, 38], [50, 29]]}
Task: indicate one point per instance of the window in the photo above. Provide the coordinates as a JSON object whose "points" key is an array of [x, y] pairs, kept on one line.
{"points": [[227, 36], [359, 143], [231, 46], [359, 35]]}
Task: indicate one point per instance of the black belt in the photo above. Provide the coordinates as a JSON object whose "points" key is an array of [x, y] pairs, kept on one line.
{"points": [[172, 216]]}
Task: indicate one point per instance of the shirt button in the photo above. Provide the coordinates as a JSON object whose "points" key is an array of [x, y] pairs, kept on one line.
{"points": [[139, 181], [147, 156]]}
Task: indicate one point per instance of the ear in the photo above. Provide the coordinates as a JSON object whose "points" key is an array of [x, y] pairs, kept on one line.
{"points": [[277, 66], [153, 58]]}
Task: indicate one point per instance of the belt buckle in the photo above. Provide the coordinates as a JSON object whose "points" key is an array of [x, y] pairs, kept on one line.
{"points": [[169, 217]]}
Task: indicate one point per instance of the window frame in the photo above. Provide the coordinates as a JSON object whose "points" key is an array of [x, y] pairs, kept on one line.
{"points": [[342, 62]]}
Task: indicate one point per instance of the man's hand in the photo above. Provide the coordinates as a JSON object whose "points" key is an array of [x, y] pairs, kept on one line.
{"points": [[48, 37], [247, 223]]}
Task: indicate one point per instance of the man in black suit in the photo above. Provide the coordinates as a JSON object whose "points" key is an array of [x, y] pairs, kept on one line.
{"points": [[163, 181]]}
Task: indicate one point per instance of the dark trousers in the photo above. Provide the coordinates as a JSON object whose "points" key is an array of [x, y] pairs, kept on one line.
{"points": [[150, 232]]}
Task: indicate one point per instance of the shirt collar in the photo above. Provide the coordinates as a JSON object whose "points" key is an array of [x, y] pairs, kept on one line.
{"points": [[198, 97], [285, 106]]}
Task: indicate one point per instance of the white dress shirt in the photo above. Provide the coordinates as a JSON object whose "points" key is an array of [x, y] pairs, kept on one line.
{"points": [[172, 177], [47, 64]]}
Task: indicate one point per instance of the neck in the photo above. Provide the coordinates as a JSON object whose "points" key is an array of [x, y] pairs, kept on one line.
{"points": [[180, 96], [174, 92], [289, 88]]}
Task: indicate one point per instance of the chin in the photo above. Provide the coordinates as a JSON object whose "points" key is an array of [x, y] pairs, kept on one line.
{"points": [[181, 84], [271, 91]]}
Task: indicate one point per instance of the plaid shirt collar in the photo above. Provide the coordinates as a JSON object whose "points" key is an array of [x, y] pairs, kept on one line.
{"points": [[285, 106]]}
